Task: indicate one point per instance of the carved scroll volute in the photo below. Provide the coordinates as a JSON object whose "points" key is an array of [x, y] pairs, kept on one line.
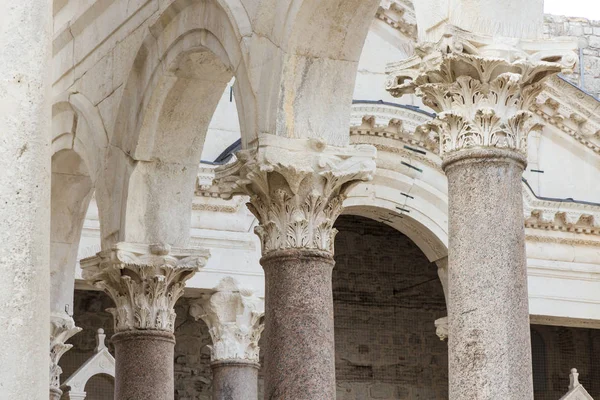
{"points": [[296, 188], [144, 281], [482, 91]]}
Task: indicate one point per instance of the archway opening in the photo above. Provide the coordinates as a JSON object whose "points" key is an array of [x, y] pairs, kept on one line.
{"points": [[100, 387], [386, 295], [72, 189]]}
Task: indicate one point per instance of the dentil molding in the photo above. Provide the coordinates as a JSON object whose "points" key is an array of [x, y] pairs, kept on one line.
{"points": [[233, 316], [144, 281], [482, 88], [296, 188]]}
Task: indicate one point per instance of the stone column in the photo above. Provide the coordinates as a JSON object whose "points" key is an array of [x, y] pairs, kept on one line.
{"points": [[144, 282], [482, 100], [62, 328], [233, 316], [25, 112], [296, 189]]}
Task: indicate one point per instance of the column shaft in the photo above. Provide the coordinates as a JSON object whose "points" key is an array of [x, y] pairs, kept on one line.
{"points": [[235, 380], [144, 365], [25, 34], [489, 340], [299, 349]]}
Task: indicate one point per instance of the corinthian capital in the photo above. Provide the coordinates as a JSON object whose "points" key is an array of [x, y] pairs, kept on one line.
{"points": [[62, 328], [296, 188], [233, 316], [482, 88], [143, 281]]}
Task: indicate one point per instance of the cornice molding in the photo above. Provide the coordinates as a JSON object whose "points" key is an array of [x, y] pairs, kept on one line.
{"points": [[560, 216], [400, 15], [571, 110]]}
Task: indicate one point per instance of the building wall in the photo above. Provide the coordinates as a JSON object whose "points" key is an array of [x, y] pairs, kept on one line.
{"points": [[386, 296], [589, 34], [556, 350]]}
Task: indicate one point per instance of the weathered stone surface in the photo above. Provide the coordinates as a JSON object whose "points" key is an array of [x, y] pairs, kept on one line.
{"points": [[25, 35], [144, 365], [299, 348]]}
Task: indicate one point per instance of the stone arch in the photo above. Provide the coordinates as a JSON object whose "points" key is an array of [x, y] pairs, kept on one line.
{"points": [[177, 78], [79, 142], [425, 224], [322, 41]]}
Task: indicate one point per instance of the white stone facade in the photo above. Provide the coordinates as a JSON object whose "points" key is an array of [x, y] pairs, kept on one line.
{"points": [[181, 127]]}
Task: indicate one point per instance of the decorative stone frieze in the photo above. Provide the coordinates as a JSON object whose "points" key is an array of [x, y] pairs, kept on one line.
{"points": [[400, 15], [576, 217], [62, 328], [481, 88], [233, 316], [296, 188], [144, 281]]}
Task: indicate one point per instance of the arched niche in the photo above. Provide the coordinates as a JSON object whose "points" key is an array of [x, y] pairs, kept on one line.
{"points": [[173, 88], [79, 144]]}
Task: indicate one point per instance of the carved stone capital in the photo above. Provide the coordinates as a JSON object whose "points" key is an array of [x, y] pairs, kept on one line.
{"points": [[62, 328], [441, 328], [482, 88], [233, 316], [144, 281], [296, 188]]}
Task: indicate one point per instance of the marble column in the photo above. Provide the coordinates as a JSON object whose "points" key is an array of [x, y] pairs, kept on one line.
{"points": [[144, 282], [233, 316], [296, 189], [25, 112], [482, 101], [62, 328]]}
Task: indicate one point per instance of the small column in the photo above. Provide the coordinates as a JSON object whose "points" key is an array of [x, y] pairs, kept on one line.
{"points": [[144, 282], [482, 97], [233, 316], [296, 189], [25, 114], [62, 328]]}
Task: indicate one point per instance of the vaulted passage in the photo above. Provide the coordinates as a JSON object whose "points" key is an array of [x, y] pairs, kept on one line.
{"points": [[387, 296]]}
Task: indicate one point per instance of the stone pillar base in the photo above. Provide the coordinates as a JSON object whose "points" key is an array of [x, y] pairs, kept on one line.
{"points": [[235, 380], [144, 365]]}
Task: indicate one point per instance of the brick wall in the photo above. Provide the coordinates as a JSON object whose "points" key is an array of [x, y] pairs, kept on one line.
{"points": [[386, 297], [556, 350], [589, 34]]}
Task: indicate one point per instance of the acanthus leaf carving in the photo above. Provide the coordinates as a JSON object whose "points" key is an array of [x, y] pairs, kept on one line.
{"points": [[234, 318], [62, 328], [481, 90], [296, 188], [144, 281]]}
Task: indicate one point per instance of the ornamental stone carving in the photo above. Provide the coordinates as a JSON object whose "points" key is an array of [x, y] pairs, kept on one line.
{"points": [[233, 316], [296, 188], [441, 328], [481, 88], [143, 281], [62, 328]]}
